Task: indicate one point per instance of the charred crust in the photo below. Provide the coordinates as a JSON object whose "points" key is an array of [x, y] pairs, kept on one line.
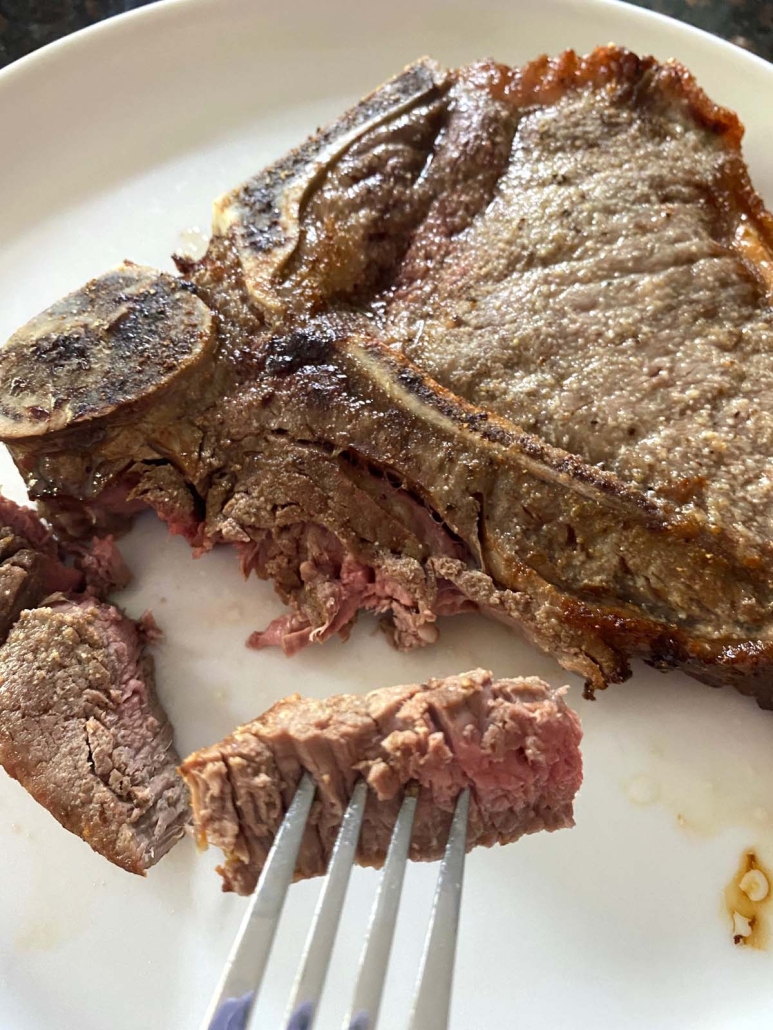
{"points": [[261, 195], [303, 346]]}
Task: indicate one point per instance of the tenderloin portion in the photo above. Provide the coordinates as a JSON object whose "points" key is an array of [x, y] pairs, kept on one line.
{"points": [[82, 730], [514, 742]]}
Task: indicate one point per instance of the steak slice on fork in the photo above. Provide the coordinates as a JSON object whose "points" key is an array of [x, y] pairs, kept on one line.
{"points": [[514, 742]]}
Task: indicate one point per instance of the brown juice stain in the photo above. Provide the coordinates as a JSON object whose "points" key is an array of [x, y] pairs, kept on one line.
{"points": [[721, 783], [745, 912]]}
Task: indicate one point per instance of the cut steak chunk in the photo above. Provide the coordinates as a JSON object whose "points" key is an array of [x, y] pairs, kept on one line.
{"points": [[82, 731], [514, 742], [32, 564], [496, 339], [80, 726]]}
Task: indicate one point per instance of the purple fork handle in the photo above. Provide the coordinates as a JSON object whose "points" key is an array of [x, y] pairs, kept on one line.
{"points": [[301, 1019], [232, 1014]]}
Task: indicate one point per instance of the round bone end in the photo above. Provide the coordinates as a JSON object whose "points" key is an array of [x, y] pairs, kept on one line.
{"points": [[115, 342]]}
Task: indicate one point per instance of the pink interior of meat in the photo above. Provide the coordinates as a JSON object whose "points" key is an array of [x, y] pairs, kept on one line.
{"points": [[27, 524]]}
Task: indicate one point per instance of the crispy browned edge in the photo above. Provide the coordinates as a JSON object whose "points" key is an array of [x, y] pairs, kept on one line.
{"points": [[545, 79]]}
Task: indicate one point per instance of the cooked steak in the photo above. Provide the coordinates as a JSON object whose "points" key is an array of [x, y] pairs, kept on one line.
{"points": [[496, 339], [82, 730], [34, 565], [80, 726], [31, 564], [514, 742]]}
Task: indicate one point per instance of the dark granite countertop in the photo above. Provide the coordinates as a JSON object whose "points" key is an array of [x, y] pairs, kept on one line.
{"points": [[28, 24]]}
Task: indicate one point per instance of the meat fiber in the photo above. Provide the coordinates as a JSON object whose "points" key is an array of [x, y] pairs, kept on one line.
{"points": [[496, 339], [514, 742], [32, 564], [80, 725], [82, 730]]}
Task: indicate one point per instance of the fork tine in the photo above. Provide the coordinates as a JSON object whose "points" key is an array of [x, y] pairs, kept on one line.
{"points": [[249, 953], [432, 1002], [363, 1014], [307, 990]]}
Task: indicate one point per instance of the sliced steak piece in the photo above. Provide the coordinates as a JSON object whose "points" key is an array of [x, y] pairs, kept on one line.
{"points": [[82, 730], [80, 726], [498, 338], [514, 742], [34, 565], [31, 564]]}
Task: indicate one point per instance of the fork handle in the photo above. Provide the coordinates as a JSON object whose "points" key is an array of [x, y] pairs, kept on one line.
{"points": [[232, 1013]]}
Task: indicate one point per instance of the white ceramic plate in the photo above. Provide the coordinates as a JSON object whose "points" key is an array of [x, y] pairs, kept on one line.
{"points": [[115, 141]]}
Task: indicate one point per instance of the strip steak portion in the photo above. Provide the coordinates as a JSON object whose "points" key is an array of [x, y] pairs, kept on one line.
{"points": [[514, 742], [82, 730]]}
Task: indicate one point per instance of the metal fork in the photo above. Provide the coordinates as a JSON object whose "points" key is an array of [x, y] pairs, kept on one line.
{"points": [[246, 963]]}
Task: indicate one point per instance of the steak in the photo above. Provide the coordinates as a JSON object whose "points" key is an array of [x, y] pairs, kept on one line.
{"points": [[82, 731], [514, 742], [497, 339], [32, 565], [80, 725]]}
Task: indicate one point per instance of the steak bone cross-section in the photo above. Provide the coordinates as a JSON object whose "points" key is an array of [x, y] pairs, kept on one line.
{"points": [[497, 339]]}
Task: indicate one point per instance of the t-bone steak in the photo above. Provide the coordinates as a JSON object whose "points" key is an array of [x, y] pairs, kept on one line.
{"points": [[514, 742], [497, 339]]}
